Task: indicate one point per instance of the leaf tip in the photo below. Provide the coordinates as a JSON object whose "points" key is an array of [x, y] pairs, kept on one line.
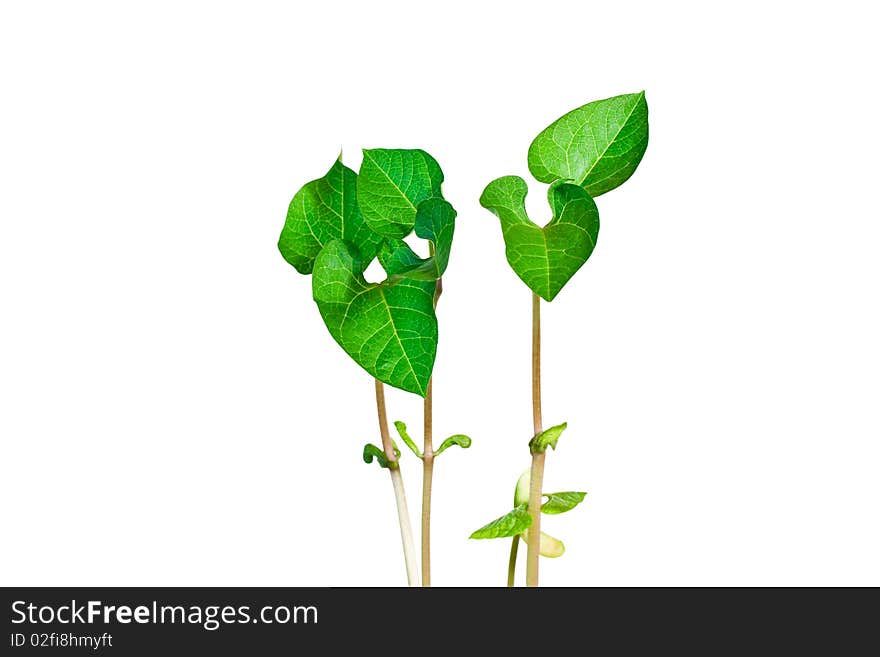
{"points": [[372, 452], [459, 439]]}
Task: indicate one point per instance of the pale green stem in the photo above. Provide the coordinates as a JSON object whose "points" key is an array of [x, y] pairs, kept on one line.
{"points": [[406, 534], [511, 565]]}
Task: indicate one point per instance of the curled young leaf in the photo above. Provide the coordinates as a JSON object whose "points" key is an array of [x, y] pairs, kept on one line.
{"points": [[404, 436], [322, 210], [458, 439], [435, 222], [372, 452], [598, 145], [544, 258], [391, 184], [399, 260], [389, 329], [510, 524], [547, 438], [561, 502]]}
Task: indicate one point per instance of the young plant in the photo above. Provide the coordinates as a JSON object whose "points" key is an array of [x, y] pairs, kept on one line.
{"points": [[516, 523], [585, 153], [335, 227]]}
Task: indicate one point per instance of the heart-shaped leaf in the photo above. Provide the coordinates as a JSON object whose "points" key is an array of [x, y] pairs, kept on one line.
{"points": [[322, 210], [598, 146], [510, 524], [544, 258], [391, 184], [561, 502], [435, 222], [389, 328]]}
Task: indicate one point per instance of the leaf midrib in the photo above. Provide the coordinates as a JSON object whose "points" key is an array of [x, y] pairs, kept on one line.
{"points": [[397, 336], [611, 141], [390, 179], [395, 332]]}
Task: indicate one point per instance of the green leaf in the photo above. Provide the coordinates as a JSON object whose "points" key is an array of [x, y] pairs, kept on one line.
{"points": [[544, 258], [389, 329], [322, 210], [391, 184], [561, 502], [435, 222], [372, 452], [397, 259], [598, 146], [458, 439], [547, 438], [510, 524], [401, 429]]}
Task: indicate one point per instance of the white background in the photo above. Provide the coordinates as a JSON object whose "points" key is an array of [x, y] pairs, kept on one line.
{"points": [[173, 411]]}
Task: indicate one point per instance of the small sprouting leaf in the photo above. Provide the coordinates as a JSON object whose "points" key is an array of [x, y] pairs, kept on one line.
{"points": [[391, 184], [435, 222], [561, 502], [510, 524], [323, 210], [598, 146], [389, 328], [401, 429], [547, 438], [544, 258], [458, 439], [372, 452], [550, 547], [397, 259]]}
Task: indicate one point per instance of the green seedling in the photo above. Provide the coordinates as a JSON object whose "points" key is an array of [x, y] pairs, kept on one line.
{"points": [[517, 523], [335, 227], [585, 153]]}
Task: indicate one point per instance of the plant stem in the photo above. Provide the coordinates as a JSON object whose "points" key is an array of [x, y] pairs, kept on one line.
{"points": [[427, 479], [406, 535], [511, 565], [536, 363], [534, 530], [428, 463], [537, 473]]}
